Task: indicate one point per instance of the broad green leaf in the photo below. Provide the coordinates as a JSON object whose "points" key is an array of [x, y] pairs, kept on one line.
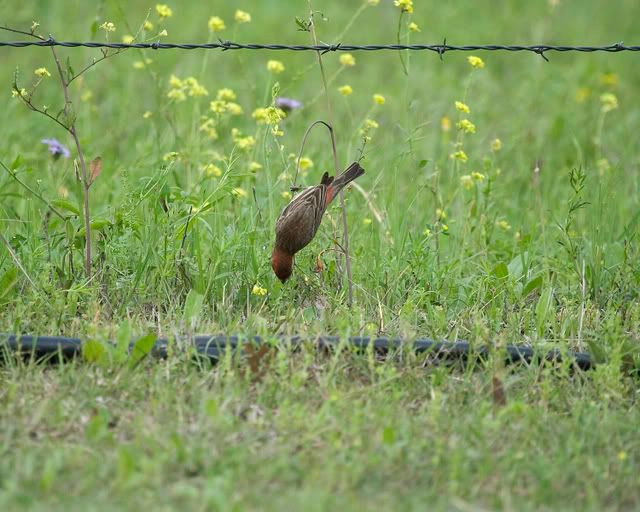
{"points": [[192, 306], [63, 204], [142, 348], [94, 351]]}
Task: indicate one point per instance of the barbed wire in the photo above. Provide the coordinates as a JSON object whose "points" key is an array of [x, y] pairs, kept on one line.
{"points": [[223, 45]]}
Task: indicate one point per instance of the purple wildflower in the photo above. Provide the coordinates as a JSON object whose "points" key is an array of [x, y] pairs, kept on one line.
{"points": [[56, 148], [287, 104]]}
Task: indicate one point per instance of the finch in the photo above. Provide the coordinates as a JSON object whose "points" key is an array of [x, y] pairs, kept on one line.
{"points": [[300, 219]]}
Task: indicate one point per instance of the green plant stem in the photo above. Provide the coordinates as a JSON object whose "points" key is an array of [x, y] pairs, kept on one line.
{"points": [[345, 227]]}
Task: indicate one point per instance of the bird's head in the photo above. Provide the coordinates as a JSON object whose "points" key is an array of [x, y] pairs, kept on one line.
{"points": [[281, 263]]}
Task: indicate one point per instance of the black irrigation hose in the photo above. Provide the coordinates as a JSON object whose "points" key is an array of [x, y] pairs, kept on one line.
{"points": [[52, 347]]}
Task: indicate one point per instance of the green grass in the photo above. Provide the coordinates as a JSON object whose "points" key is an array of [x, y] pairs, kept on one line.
{"points": [[542, 250]]}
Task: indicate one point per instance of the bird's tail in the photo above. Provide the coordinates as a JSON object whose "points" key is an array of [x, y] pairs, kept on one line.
{"points": [[353, 171]]}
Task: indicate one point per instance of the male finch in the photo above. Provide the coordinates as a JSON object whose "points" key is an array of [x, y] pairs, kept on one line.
{"points": [[300, 219]]}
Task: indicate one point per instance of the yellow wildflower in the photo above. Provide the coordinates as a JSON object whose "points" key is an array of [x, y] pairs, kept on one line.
{"points": [[254, 167], [164, 11], [346, 59], [496, 145], [582, 93], [609, 79], [175, 82], [445, 124], [345, 90], [404, 5], [41, 72], [218, 106], [107, 26], [172, 156], [138, 64], [275, 66], [147, 114], [258, 290], [234, 109], [194, 88], [245, 142], [466, 126], [366, 221], [466, 181], [163, 33], [285, 194], [462, 107], [239, 192], [477, 176], [504, 225], [242, 16], [147, 25], [476, 62], [176, 94], [609, 101], [445, 228], [413, 27], [226, 94], [622, 456], [440, 214], [459, 155], [216, 24], [128, 39], [379, 99], [370, 124], [86, 96], [208, 126], [22, 93], [212, 170], [306, 163], [373, 2]]}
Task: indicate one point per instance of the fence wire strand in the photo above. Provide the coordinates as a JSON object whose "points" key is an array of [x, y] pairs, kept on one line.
{"points": [[223, 45]]}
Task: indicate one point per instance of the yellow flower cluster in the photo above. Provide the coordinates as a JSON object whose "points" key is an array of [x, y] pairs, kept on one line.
{"points": [[164, 11], [459, 155], [476, 62], [466, 126], [445, 124], [270, 115], [243, 143], [496, 145], [216, 24], [275, 66], [212, 170], [19, 93], [345, 90], [404, 5], [467, 181], [258, 290], [368, 127], [180, 89], [462, 107], [503, 225], [42, 72], [347, 60], [379, 99], [413, 27], [107, 26], [209, 128], [609, 102], [141, 64], [172, 156], [242, 16], [305, 163]]}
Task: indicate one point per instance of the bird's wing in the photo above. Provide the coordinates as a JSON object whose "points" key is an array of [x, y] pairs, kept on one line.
{"points": [[300, 219]]}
